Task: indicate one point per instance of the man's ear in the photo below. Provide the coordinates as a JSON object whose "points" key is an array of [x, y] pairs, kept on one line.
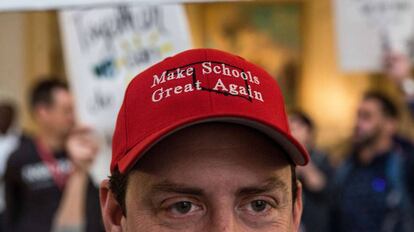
{"points": [[111, 210], [40, 111], [297, 206]]}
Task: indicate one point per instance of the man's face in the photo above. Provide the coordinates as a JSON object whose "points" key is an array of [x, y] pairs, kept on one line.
{"points": [[211, 177], [370, 122], [57, 117]]}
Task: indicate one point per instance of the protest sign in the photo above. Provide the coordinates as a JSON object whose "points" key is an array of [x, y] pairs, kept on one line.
{"points": [[368, 29], [105, 48]]}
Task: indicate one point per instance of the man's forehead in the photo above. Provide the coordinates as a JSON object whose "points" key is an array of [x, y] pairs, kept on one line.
{"points": [[268, 184], [371, 105], [212, 157], [213, 143], [150, 185]]}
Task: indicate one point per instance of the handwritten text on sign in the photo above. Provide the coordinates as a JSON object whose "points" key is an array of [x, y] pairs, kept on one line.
{"points": [[105, 48]]}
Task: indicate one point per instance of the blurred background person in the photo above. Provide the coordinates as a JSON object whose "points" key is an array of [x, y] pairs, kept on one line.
{"points": [[47, 182], [9, 140], [315, 177], [398, 69], [371, 191]]}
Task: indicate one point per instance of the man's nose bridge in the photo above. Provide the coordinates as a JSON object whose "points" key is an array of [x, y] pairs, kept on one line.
{"points": [[223, 220]]}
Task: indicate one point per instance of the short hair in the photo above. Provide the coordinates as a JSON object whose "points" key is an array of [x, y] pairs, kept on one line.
{"points": [[42, 92], [7, 108], [7, 116], [303, 118], [388, 107]]}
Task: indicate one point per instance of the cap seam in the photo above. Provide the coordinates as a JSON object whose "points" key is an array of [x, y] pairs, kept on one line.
{"points": [[210, 98]]}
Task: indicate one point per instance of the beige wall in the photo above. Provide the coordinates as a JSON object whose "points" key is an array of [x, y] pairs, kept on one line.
{"points": [[30, 49], [12, 63]]}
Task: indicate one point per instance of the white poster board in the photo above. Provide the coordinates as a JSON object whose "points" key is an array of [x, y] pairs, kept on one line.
{"points": [[21, 5], [367, 29], [105, 48]]}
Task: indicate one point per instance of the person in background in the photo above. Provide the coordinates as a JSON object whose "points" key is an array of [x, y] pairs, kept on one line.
{"points": [[398, 69], [9, 140], [371, 187], [315, 177], [47, 183]]}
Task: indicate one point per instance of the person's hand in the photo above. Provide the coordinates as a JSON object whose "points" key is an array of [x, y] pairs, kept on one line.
{"points": [[397, 67], [82, 147]]}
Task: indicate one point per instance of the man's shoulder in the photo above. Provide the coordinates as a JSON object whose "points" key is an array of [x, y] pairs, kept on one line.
{"points": [[405, 147], [344, 170], [24, 153]]}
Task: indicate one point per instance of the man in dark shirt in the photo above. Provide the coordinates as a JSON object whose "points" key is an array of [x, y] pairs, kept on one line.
{"points": [[47, 182], [315, 177], [372, 186], [398, 68], [9, 141]]}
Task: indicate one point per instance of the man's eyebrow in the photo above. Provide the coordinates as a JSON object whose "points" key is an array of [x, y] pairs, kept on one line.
{"points": [[171, 187], [269, 185]]}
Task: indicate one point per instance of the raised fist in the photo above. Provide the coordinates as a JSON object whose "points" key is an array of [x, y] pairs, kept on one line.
{"points": [[397, 67], [82, 147]]}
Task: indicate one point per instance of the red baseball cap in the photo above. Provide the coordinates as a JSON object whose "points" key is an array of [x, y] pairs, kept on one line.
{"points": [[198, 86]]}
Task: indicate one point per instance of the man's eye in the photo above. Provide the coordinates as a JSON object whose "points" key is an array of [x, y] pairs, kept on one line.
{"points": [[259, 205], [183, 207]]}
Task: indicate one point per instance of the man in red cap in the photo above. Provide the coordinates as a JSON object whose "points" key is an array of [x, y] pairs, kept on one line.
{"points": [[202, 144]]}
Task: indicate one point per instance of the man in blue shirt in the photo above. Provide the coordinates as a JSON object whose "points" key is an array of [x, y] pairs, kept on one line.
{"points": [[372, 186]]}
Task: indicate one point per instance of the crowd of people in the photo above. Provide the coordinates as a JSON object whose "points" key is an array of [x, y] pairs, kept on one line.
{"points": [[46, 184], [373, 188]]}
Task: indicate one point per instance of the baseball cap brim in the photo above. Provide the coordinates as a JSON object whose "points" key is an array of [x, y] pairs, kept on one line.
{"points": [[291, 146]]}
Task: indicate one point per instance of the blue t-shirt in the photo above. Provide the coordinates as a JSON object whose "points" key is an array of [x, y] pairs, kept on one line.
{"points": [[362, 201]]}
